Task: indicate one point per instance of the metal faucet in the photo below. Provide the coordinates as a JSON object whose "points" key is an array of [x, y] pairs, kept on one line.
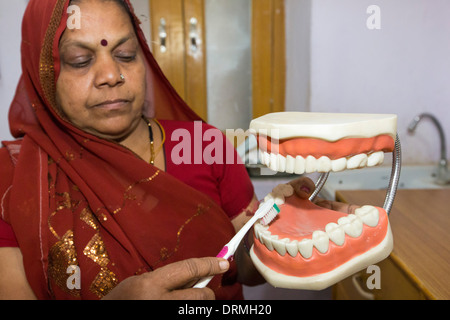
{"points": [[442, 174]]}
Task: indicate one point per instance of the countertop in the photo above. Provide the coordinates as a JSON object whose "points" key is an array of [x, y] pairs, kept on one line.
{"points": [[420, 222]]}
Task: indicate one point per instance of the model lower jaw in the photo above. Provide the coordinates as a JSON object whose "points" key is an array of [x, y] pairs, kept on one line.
{"points": [[337, 233], [301, 165], [308, 242]]}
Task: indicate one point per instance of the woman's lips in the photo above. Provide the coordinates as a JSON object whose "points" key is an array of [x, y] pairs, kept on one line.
{"points": [[112, 104]]}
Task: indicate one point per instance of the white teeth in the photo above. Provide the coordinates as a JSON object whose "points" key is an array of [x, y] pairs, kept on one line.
{"points": [[352, 225], [280, 246], [300, 165], [338, 165], [305, 247], [273, 162], [266, 158], [290, 164], [310, 164], [259, 229], [375, 159], [292, 248], [324, 164], [358, 161], [369, 215], [281, 163], [321, 241], [336, 233], [266, 238]]}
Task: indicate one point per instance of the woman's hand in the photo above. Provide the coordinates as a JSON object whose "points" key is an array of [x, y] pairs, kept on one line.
{"points": [[171, 282], [304, 187]]}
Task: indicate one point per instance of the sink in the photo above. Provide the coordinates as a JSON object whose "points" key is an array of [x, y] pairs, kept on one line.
{"points": [[411, 177]]}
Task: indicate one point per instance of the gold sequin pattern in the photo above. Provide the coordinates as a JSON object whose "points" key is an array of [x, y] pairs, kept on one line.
{"points": [[104, 282], [62, 255], [96, 251], [87, 216]]}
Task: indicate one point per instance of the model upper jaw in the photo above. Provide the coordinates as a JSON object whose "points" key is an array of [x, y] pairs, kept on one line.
{"points": [[297, 142], [306, 246]]}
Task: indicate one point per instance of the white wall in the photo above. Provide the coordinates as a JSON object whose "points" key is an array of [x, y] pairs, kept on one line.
{"points": [[11, 13], [142, 9], [402, 68], [229, 63]]}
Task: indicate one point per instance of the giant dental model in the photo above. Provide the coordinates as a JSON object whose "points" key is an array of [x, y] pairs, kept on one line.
{"points": [[307, 246]]}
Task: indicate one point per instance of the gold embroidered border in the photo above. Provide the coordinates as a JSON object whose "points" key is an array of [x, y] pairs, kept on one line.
{"points": [[164, 252], [62, 255], [46, 68], [104, 282], [87, 216], [96, 251], [128, 196]]}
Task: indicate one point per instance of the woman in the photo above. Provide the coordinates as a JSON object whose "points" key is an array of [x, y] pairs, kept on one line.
{"points": [[84, 215]]}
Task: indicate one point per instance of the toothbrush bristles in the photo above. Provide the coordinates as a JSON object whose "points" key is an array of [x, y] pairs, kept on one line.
{"points": [[269, 216]]}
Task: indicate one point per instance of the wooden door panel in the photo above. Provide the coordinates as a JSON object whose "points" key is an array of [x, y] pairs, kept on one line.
{"points": [[194, 35], [268, 56], [171, 58]]}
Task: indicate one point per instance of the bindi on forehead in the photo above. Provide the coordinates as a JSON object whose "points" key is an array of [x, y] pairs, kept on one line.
{"points": [[104, 42]]}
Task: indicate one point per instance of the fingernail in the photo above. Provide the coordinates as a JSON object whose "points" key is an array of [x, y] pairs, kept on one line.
{"points": [[305, 189], [224, 265]]}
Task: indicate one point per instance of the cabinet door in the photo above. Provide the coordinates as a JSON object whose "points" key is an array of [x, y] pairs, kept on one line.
{"points": [[179, 47], [269, 66], [178, 44]]}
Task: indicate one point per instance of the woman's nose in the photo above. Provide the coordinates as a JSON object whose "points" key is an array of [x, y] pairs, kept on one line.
{"points": [[107, 72]]}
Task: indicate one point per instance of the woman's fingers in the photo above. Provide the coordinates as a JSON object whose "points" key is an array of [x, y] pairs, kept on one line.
{"points": [[336, 206], [184, 273], [303, 187], [171, 282]]}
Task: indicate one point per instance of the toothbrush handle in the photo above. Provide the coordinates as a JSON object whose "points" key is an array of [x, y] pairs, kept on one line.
{"points": [[229, 249], [204, 282]]}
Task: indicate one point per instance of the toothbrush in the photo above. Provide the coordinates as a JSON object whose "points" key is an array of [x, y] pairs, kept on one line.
{"points": [[266, 212]]}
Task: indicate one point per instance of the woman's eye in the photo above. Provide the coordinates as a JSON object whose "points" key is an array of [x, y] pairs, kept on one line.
{"points": [[79, 65], [127, 58]]}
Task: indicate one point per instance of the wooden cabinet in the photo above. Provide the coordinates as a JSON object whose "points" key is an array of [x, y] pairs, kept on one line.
{"points": [[179, 45], [419, 265], [268, 55], [394, 285]]}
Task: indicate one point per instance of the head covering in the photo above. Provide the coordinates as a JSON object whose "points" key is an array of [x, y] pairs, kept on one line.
{"points": [[81, 205]]}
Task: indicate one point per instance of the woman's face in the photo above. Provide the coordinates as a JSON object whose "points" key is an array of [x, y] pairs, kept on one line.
{"points": [[90, 90]]}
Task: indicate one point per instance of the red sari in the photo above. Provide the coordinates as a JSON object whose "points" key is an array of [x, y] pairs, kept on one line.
{"points": [[78, 202]]}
